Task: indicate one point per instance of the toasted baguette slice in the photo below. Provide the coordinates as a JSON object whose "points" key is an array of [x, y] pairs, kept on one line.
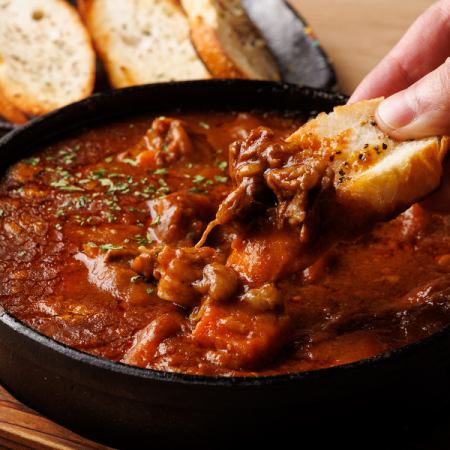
{"points": [[46, 56], [227, 41], [142, 41], [374, 174]]}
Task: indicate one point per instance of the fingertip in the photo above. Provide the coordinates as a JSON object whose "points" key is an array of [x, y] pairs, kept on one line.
{"points": [[394, 114]]}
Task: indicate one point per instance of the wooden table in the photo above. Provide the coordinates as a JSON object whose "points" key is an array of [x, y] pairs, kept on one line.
{"points": [[355, 34]]}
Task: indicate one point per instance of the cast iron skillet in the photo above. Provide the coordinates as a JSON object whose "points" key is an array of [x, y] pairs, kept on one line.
{"points": [[122, 405]]}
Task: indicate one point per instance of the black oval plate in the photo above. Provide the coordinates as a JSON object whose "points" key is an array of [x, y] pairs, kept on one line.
{"points": [[300, 57]]}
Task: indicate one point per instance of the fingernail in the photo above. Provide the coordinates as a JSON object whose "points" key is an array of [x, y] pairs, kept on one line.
{"points": [[395, 112]]}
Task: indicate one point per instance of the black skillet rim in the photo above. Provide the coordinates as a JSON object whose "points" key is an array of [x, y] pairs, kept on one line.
{"points": [[29, 333]]}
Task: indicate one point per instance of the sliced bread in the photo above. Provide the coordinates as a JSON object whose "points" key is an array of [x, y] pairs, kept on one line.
{"points": [[227, 41], [46, 56], [374, 173], [142, 41]]}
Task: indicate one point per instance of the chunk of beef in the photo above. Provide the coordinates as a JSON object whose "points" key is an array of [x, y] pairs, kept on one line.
{"points": [[145, 263], [146, 342], [219, 282], [116, 279], [248, 161], [267, 172], [264, 298], [178, 270], [166, 141], [179, 217]]}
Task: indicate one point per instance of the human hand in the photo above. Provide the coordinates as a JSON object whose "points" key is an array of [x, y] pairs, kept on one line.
{"points": [[415, 78]]}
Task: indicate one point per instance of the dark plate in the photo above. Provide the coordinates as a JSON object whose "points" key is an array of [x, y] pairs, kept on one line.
{"points": [[296, 48], [119, 404]]}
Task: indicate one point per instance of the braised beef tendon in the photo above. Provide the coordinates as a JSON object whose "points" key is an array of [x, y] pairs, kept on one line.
{"points": [[195, 243]]}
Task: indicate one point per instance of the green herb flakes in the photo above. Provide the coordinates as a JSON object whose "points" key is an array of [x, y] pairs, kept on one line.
{"points": [[198, 179], [32, 161], [222, 165], [221, 179], [130, 162], [197, 190], [204, 125], [106, 247]]}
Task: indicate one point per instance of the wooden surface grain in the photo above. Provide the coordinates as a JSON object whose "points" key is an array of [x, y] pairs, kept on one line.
{"points": [[355, 34], [22, 428]]}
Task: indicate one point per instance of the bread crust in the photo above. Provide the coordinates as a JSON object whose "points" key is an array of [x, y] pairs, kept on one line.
{"points": [[209, 42], [23, 102], [9, 112], [211, 52], [382, 183]]}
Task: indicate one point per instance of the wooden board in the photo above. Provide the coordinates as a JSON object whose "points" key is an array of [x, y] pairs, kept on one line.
{"points": [[21, 427], [356, 34]]}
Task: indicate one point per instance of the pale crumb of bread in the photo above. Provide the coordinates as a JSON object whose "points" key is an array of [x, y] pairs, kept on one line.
{"points": [[227, 41], [371, 169], [46, 56], [142, 41]]}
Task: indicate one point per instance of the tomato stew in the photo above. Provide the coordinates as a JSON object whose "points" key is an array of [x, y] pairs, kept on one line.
{"points": [[97, 250]]}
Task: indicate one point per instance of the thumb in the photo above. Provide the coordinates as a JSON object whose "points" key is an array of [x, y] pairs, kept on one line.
{"points": [[421, 110]]}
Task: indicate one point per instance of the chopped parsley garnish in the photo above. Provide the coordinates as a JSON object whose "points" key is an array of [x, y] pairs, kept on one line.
{"points": [[150, 291], [63, 185], [222, 165], [106, 247], [58, 226], [161, 171], [140, 240], [198, 179], [2, 212], [96, 174], [111, 218], [32, 161], [108, 159], [136, 278], [106, 182], [81, 202], [197, 190], [149, 189], [204, 125], [156, 221], [221, 179], [130, 162]]}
